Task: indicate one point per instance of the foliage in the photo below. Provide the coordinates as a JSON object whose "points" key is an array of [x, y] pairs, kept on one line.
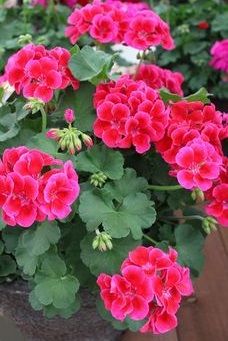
{"points": [[192, 53]]}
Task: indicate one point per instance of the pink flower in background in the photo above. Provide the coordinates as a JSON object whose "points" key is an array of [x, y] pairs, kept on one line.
{"points": [[199, 164], [117, 22], [31, 192], [157, 78], [150, 287], [219, 52]]}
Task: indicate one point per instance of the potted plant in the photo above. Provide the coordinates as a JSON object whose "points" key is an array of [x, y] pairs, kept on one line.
{"points": [[102, 170]]}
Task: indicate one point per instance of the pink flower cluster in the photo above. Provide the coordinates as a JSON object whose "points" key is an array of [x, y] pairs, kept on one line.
{"points": [[116, 22], [150, 287], [219, 52], [157, 78], [129, 113], [32, 190], [192, 146], [38, 72]]}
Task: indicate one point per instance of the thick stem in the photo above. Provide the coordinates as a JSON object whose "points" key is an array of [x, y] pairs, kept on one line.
{"points": [[44, 119], [149, 239], [164, 188]]}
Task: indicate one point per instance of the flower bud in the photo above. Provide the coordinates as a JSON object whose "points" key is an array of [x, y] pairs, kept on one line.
{"points": [[197, 195], [69, 116], [98, 179], [77, 142], [102, 241], [209, 224], [24, 39], [87, 140], [34, 105], [53, 134]]}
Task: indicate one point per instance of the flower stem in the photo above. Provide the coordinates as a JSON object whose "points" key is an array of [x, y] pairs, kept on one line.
{"points": [[188, 217], [44, 119], [149, 239], [164, 188]]}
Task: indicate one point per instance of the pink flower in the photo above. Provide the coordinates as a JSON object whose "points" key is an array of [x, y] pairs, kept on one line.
{"points": [[219, 52], [31, 191], [199, 164], [37, 72], [126, 295], [160, 321], [218, 208], [151, 286], [103, 28], [114, 22], [129, 113], [59, 191], [147, 29], [157, 78], [20, 207], [69, 116]]}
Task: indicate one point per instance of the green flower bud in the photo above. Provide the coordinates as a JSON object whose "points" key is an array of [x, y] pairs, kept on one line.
{"points": [[34, 105], [102, 241], [209, 224], [197, 195], [24, 39], [98, 179]]}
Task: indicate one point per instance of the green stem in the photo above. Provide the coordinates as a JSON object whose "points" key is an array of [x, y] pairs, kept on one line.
{"points": [[149, 239], [164, 188], [189, 217], [44, 119]]}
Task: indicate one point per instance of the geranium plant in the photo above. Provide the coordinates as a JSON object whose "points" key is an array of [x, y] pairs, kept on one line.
{"points": [[104, 169]]}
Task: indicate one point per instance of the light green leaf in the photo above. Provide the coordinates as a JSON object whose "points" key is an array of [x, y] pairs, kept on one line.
{"points": [[87, 63], [39, 239], [40, 141], [100, 158], [108, 261], [26, 261]]}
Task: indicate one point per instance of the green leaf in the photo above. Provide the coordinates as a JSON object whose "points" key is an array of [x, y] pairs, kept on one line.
{"points": [[167, 96], [11, 236], [133, 214], [100, 158], [2, 224], [105, 314], [81, 102], [7, 265], [108, 261], [51, 311], [26, 261], [166, 233], [87, 63], [1, 247], [189, 244], [128, 184], [8, 124], [201, 95], [38, 240], [40, 141]]}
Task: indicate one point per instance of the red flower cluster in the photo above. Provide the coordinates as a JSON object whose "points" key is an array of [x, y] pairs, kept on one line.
{"points": [[150, 286], [32, 190], [192, 147], [38, 72], [117, 22], [157, 78], [129, 113]]}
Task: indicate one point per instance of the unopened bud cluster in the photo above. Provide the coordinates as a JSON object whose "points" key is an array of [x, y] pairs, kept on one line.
{"points": [[102, 241], [24, 39], [198, 195], [34, 105], [70, 139], [98, 179], [209, 224]]}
